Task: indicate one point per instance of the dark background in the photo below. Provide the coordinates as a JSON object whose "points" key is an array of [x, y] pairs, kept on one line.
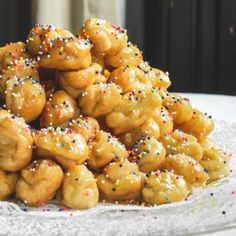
{"points": [[194, 40]]}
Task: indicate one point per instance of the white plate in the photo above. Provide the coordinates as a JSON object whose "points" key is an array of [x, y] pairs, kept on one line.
{"points": [[207, 210]]}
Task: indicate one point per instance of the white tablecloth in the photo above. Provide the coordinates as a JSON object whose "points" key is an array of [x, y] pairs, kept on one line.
{"points": [[221, 107]]}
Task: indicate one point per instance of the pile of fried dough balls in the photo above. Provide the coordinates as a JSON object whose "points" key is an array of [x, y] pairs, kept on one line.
{"points": [[84, 119]]}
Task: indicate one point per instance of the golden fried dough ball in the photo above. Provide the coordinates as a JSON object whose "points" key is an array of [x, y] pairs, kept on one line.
{"points": [[130, 55], [7, 183], [86, 126], [159, 79], [200, 125], [104, 149], [57, 48], [79, 189], [25, 97], [15, 142], [164, 120], [80, 79], [39, 182], [164, 187], [133, 110], [120, 181], [148, 128], [180, 142], [100, 99], [150, 154], [215, 161], [15, 62], [106, 37], [65, 146], [186, 166], [12, 51], [18, 68], [178, 107], [130, 78], [60, 108]]}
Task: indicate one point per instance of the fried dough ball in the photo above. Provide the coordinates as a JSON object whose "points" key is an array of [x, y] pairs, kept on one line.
{"points": [[200, 125], [164, 187], [164, 120], [104, 149], [178, 107], [79, 189], [148, 128], [159, 79], [130, 55], [86, 126], [64, 146], [130, 78], [106, 37], [7, 183], [180, 142], [15, 62], [39, 182], [133, 110], [100, 99], [120, 181], [215, 161], [56, 48], [25, 97], [11, 52], [186, 166], [15, 142], [60, 108], [80, 79], [20, 68], [150, 154]]}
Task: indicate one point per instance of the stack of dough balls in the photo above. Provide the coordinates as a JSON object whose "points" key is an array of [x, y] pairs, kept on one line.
{"points": [[85, 119]]}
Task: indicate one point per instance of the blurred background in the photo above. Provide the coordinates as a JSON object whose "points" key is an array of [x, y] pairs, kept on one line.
{"points": [[194, 40]]}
